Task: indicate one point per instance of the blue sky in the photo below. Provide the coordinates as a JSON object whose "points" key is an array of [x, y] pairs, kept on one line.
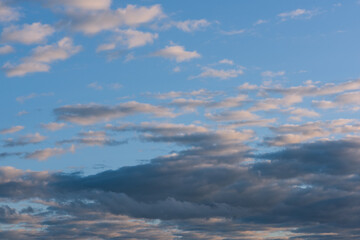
{"points": [[188, 114]]}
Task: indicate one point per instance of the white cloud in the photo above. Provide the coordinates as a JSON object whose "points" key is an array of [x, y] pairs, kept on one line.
{"points": [[296, 14], [233, 32], [22, 99], [133, 38], [95, 22], [95, 85], [191, 25], [27, 34], [11, 129], [53, 126], [271, 74], [89, 5], [260, 21], [41, 58], [226, 61], [6, 49], [219, 73], [106, 47], [44, 154], [8, 14], [299, 113], [177, 52]]}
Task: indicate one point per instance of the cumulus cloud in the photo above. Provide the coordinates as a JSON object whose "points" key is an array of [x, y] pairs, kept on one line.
{"points": [[226, 61], [6, 49], [177, 52], [27, 34], [7, 13], [95, 22], [41, 57], [191, 25], [133, 38], [86, 114]]}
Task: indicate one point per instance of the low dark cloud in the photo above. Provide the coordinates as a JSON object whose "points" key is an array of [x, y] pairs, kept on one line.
{"points": [[205, 191]]}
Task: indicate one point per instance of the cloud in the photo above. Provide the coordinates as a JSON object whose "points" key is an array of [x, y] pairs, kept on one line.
{"points": [[294, 133], [177, 52], [11, 129], [226, 61], [302, 112], [133, 38], [191, 25], [44, 154], [6, 49], [53, 126], [24, 140], [219, 73], [85, 5], [22, 99], [298, 13], [233, 32], [260, 21], [8, 14], [233, 116], [86, 114], [271, 74], [27, 34], [93, 138], [106, 47], [95, 22], [41, 57], [95, 85]]}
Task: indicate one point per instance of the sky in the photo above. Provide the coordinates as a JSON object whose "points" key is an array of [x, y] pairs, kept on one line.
{"points": [[183, 119]]}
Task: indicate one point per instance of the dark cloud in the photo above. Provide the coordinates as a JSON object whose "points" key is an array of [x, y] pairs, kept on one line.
{"points": [[86, 114], [205, 191]]}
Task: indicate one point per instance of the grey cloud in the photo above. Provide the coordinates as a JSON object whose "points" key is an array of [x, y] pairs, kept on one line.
{"points": [[86, 114]]}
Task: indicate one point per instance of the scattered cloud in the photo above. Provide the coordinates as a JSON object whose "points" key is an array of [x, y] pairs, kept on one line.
{"points": [[192, 25], [27, 33], [41, 57], [7, 13], [6, 49], [86, 114], [177, 52], [226, 61], [95, 22], [13, 129], [298, 13], [44, 154], [260, 21], [24, 140], [22, 99], [219, 73], [271, 74], [233, 32], [53, 126], [133, 38]]}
